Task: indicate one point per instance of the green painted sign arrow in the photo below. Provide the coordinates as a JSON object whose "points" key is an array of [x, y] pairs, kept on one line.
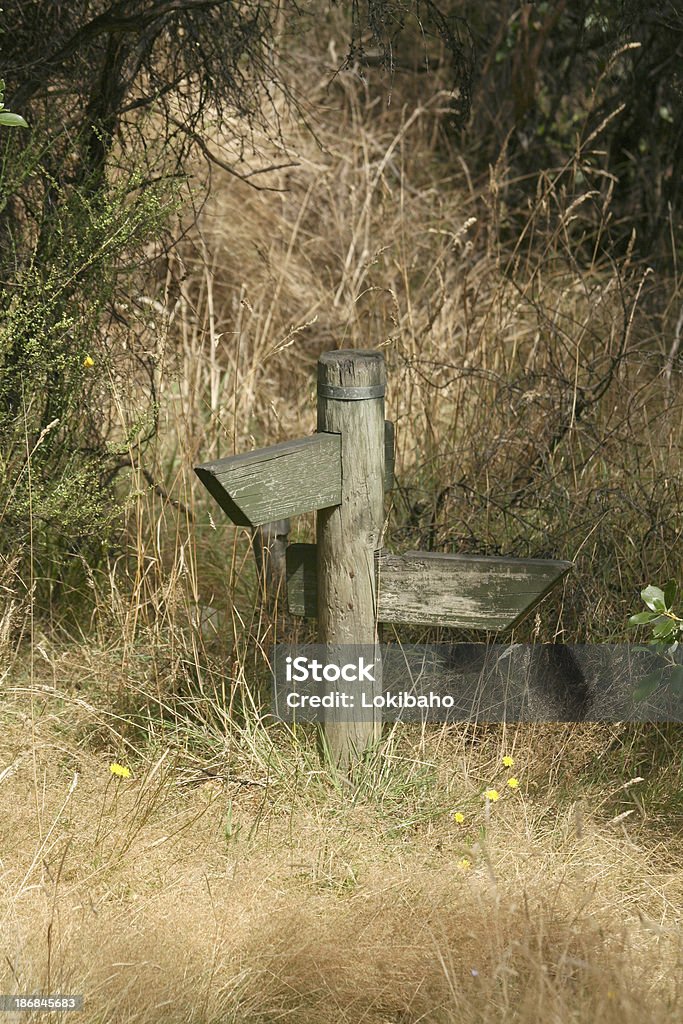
{"points": [[277, 482], [285, 479], [424, 588]]}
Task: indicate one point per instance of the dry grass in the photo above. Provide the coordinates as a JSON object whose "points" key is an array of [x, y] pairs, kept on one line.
{"points": [[526, 379], [230, 879], [164, 898]]}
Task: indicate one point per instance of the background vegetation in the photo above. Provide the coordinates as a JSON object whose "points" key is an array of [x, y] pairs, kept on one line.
{"points": [[208, 196]]}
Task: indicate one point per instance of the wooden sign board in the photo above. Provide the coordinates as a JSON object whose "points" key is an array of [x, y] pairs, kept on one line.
{"points": [[277, 482], [342, 472], [285, 479], [423, 588]]}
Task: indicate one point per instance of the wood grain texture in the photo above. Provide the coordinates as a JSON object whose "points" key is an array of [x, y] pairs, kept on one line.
{"points": [[423, 588], [463, 591], [270, 549], [277, 482], [349, 534]]}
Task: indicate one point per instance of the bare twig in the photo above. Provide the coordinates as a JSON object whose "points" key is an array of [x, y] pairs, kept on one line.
{"points": [[214, 159]]}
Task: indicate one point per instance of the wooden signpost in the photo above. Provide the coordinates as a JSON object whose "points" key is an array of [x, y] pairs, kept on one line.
{"points": [[347, 579]]}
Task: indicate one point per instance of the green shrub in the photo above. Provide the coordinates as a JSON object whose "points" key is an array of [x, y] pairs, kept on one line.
{"points": [[65, 264]]}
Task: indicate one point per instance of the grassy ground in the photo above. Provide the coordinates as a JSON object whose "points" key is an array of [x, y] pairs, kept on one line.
{"points": [[238, 883], [229, 878]]}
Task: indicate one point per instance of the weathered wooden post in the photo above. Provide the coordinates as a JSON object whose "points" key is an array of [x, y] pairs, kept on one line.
{"points": [[351, 388], [270, 551]]}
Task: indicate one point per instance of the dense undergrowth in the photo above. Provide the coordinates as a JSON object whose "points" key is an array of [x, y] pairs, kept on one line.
{"points": [[537, 413]]}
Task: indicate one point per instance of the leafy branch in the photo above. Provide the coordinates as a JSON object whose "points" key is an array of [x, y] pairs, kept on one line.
{"points": [[667, 626], [667, 634]]}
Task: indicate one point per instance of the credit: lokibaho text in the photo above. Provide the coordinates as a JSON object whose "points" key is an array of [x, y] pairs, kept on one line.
{"points": [[342, 699]]}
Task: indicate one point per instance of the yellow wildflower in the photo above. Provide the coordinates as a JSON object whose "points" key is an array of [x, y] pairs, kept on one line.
{"points": [[120, 770], [513, 783], [88, 361], [508, 761], [465, 863], [492, 795], [458, 817]]}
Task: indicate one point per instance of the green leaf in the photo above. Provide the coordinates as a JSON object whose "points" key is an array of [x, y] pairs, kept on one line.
{"points": [[15, 120], [665, 631], [670, 591], [647, 685], [654, 598], [641, 617]]}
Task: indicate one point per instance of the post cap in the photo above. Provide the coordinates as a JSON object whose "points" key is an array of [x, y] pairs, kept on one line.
{"points": [[351, 374]]}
